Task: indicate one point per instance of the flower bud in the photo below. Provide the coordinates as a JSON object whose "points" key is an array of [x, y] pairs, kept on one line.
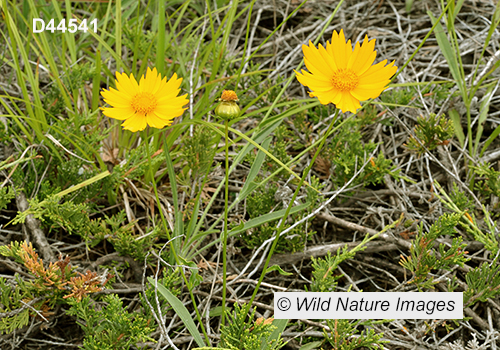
{"points": [[228, 108]]}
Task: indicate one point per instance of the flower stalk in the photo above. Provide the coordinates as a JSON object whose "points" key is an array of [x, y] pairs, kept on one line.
{"points": [[227, 109], [224, 236]]}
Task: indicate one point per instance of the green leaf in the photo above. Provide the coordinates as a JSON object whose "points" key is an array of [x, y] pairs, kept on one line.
{"points": [[181, 311], [215, 312], [311, 346], [276, 334], [483, 114], [408, 6], [83, 184], [239, 133], [457, 126], [490, 139], [448, 53], [458, 6], [254, 170], [276, 215], [277, 268], [248, 188]]}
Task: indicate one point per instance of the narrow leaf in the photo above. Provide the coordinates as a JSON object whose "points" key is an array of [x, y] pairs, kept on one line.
{"points": [[84, 183], [457, 126], [483, 114], [448, 53], [311, 346], [254, 170], [279, 269], [490, 139], [266, 218], [181, 311], [276, 334]]}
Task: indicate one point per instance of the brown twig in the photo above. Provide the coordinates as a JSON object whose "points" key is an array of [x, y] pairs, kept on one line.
{"points": [[36, 233]]}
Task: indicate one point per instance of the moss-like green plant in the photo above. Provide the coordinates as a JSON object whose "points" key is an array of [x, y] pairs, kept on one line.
{"points": [[488, 183], [6, 196], [109, 326], [341, 336], [423, 256], [430, 133], [51, 285], [74, 219], [346, 153], [483, 283], [242, 332]]}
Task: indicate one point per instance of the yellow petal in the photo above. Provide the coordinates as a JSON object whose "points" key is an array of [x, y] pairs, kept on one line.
{"points": [[364, 94], [173, 102], [158, 83], [348, 52], [339, 49], [172, 84], [155, 122], [152, 79], [118, 113], [316, 59], [348, 103], [354, 56], [115, 98], [170, 97], [166, 118], [328, 59], [366, 56], [136, 123], [326, 97], [169, 112], [377, 73], [317, 72], [126, 84], [313, 82], [142, 84]]}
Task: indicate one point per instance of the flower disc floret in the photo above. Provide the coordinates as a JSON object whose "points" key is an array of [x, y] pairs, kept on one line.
{"points": [[144, 102], [229, 95], [340, 75], [345, 79], [151, 102]]}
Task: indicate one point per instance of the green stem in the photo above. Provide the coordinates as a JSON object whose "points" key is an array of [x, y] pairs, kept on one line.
{"points": [[118, 33], [224, 235], [283, 220], [160, 49], [178, 262]]}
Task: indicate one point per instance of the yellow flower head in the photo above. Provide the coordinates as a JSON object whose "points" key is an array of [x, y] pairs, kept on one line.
{"points": [[228, 108], [341, 76], [153, 101]]}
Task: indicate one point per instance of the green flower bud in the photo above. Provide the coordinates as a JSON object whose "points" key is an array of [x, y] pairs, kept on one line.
{"points": [[228, 108]]}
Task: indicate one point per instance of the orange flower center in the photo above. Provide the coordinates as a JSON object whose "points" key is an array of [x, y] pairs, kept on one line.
{"points": [[345, 79], [229, 95], [144, 102]]}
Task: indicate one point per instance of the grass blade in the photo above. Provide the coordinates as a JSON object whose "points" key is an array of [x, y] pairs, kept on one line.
{"points": [[457, 126], [448, 53], [483, 114], [254, 170], [180, 310], [275, 335]]}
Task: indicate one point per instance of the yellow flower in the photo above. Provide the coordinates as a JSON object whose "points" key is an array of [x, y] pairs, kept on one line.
{"points": [[228, 108], [341, 76], [153, 101]]}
